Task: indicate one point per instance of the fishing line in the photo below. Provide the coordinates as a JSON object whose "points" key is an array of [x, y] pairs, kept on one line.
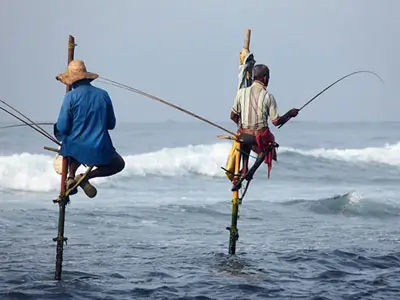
{"points": [[120, 85], [46, 134], [18, 125]]}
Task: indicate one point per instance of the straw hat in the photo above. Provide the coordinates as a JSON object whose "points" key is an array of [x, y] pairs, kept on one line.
{"points": [[76, 71]]}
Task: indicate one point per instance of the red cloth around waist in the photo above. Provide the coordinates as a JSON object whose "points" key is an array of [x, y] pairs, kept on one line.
{"points": [[264, 140]]}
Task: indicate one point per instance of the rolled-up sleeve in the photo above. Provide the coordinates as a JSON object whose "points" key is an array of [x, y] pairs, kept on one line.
{"points": [[64, 121], [272, 108], [111, 120], [236, 104]]}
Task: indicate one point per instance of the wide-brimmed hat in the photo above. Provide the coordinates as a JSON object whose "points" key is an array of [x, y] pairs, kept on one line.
{"points": [[76, 71]]}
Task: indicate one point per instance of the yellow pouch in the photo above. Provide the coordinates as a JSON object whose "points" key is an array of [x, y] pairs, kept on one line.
{"points": [[230, 163]]}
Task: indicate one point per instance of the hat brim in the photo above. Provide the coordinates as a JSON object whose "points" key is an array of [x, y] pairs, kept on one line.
{"points": [[68, 80]]}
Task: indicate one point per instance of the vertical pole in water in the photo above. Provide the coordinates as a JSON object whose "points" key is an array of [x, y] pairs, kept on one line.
{"points": [[62, 200], [233, 230]]}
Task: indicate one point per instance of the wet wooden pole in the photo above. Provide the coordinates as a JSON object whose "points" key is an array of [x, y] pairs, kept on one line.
{"points": [[233, 230], [62, 199]]}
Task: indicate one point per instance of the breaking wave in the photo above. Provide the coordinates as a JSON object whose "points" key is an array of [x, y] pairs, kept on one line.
{"points": [[350, 204], [388, 154], [34, 172]]}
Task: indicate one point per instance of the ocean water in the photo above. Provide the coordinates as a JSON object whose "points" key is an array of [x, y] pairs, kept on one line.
{"points": [[325, 226]]}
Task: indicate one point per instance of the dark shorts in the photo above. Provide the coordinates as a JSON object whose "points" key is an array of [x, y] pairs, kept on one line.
{"points": [[249, 141], [116, 160]]}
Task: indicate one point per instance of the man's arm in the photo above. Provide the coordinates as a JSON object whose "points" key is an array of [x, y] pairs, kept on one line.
{"points": [[286, 117], [235, 117], [111, 120], [274, 114], [236, 109], [64, 121]]}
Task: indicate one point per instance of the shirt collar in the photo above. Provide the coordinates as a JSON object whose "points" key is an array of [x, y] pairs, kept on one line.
{"points": [[80, 82], [260, 84]]}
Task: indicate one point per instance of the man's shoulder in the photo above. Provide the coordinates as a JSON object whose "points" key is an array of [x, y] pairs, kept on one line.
{"points": [[91, 89], [98, 90], [267, 94], [270, 95], [270, 99]]}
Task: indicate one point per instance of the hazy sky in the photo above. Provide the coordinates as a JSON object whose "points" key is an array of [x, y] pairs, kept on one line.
{"points": [[187, 52]]}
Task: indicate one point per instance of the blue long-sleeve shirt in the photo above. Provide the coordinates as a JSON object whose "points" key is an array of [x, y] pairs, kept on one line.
{"points": [[85, 117]]}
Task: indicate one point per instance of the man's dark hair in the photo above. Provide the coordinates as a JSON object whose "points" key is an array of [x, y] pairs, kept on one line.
{"points": [[259, 71]]}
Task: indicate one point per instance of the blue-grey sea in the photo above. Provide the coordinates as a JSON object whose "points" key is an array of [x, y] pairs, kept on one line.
{"points": [[325, 226]]}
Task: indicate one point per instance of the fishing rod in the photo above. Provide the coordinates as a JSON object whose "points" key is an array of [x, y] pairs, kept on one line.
{"points": [[249, 175], [18, 125], [332, 84], [43, 132], [120, 85]]}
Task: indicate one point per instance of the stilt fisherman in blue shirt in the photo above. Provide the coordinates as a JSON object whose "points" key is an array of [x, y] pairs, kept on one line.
{"points": [[82, 127]]}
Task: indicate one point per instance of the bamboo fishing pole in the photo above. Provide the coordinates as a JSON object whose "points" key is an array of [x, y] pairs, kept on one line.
{"points": [[332, 84], [39, 129], [63, 200], [137, 91]]}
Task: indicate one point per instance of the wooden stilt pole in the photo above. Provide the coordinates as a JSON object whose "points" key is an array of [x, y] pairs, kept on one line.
{"points": [[233, 230], [60, 239], [62, 199]]}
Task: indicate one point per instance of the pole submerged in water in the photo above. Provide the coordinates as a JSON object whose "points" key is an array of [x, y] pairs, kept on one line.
{"points": [[62, 199]]}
